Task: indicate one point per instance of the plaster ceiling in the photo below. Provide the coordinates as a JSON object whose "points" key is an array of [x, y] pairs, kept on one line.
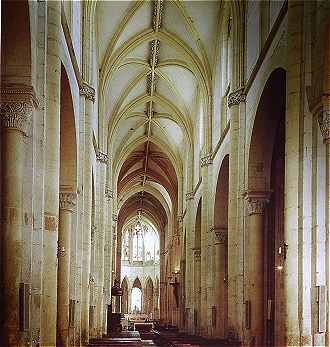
{"points": [[154, 57]]}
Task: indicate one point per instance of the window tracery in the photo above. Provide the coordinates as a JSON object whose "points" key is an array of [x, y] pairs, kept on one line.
{"points": [[144, 242]]}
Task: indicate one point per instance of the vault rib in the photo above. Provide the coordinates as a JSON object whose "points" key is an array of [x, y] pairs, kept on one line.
{"points": [[152, 79]]}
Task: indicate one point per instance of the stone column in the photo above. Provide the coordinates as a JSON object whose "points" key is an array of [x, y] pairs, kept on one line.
{"points": [[67, 203], [16, 111], [294, 116], [169, 302], [114, 258], [255, 257], [220, 280], [108, 253], [189, 264], [52, 170], [155, 303], [205, 305], [197, 288], [234, 253], [89, 93], [324, 122], [102, 159], [163, 313]]}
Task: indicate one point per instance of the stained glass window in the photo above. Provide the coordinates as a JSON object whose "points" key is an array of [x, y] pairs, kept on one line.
{"points": [[126, 245], [137, 245]]}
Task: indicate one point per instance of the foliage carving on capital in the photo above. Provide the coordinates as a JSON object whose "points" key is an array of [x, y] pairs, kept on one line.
{"points": [[114, 217], [67, 200], [108, 193], [91, 279], [87, 91], [197, 253], [102, 157], [324, 123], [61, 251], [190, 196], [220, 234], [16, 107], [93, 232], [236, 97], [256, 202], [206, 160]]}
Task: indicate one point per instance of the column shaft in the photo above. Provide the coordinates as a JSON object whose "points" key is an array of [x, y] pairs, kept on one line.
{"points": [[233, 252], [16, 112], [63, 274], [197, 291], [294, 116], [324, 123], [12, 180], [52, 169], [327, 226], [256, 278], [204, 319], [89, 94], [102, 157], [220, 282]]}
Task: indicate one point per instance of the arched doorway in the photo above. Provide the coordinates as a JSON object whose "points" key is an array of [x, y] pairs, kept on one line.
{"points": [[148, 298], [220, 318], [265, 197], [124, 298], [136, 297], [68, 188]]}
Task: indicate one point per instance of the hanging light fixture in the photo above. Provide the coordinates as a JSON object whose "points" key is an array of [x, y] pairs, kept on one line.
{"points": [[138, 223]]}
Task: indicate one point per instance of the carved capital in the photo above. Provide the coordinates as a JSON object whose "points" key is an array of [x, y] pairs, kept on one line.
{"points": [[220, 235], [61, 251], [91, 279], [87, 91], [108, 193], [114, 217], [207, 160], [67, 200], [324, 123], [197, 253], [180, 218], [190, 196], [102, 157], [236, 97], [16, 107], [256, 202], [93, 232]]}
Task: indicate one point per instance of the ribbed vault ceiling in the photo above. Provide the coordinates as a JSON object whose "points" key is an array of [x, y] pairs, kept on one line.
{"points": [[154, 60]]}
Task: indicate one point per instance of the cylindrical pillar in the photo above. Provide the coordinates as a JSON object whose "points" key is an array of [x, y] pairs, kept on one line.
{"points": [[205, 260], [52, 170], [197, 289], [255, 237], [89, 93], [220, 280], [107, 253], [324, 123], [294, 120], [102, 159], [15, 117], [114, 255], [234, 253], [67, 202]]}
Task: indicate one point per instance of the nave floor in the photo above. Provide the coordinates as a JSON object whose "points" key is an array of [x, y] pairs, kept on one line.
{"points": [[156, 338]]}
